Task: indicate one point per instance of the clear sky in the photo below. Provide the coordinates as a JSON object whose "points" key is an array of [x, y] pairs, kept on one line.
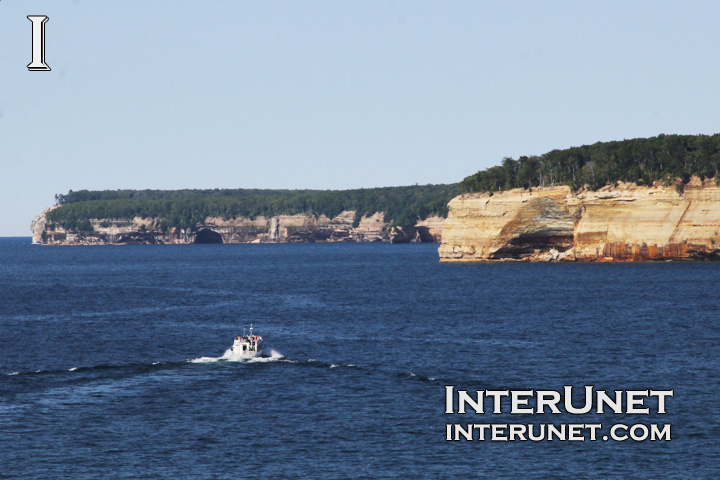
{"points": [[334, 94]]}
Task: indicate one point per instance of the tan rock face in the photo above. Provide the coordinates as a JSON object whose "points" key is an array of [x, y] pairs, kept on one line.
{"points": [[623, 223], [278, 229], [38, 226], [509, 224], [433, 226]]}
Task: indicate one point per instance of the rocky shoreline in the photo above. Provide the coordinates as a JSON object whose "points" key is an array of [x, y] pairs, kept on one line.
{"points": [[277, 229], [623, 222]]}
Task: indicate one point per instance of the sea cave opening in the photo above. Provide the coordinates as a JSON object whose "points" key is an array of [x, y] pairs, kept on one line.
{"points": [[208, 236]]}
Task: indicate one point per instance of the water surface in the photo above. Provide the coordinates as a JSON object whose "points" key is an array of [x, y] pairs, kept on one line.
{"points": [[110, 361]]}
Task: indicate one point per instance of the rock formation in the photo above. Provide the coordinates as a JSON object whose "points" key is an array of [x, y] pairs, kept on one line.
{"points": [[278, 229], [424, 231], [625, 222]]}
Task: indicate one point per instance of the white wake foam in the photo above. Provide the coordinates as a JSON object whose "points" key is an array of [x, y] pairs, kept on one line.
{"points": [[266, 355]]}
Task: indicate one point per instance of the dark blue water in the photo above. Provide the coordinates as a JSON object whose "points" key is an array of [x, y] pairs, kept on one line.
{"points": [[97, 378]]}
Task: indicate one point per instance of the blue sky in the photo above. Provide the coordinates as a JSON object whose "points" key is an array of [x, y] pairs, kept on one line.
{"points": [[334, 95]]}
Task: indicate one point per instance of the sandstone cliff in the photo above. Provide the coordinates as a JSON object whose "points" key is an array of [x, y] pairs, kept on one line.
{"points": [[278, 229], [625, 222]]}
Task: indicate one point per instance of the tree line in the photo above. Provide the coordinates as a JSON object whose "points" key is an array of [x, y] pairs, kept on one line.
{"points": [[640, 160], [187, 208]]}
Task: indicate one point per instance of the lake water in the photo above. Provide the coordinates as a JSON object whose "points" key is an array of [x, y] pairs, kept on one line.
{"points": [[110, 362]]}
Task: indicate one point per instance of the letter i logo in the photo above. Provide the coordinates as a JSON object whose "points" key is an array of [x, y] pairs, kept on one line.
{"points": [[38, 43]]}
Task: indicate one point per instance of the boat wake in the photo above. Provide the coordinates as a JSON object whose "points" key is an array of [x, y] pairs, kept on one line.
{"points": [[267, 355]]}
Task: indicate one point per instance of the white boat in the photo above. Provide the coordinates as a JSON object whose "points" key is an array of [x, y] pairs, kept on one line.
{"points": [[247, 345]]}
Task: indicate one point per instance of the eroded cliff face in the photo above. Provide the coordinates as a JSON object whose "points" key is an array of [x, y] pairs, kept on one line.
{"points": [[278, 229], [620, 223]]}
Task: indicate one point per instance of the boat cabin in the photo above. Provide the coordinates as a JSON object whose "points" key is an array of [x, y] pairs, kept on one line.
{"points": [[247, 345]]}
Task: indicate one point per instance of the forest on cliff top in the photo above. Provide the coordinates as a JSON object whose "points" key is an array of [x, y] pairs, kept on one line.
{"points": [[187, 208], [641, 160]]}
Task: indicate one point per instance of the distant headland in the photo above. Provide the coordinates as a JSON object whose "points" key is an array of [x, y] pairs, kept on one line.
{"points": [[392, 214]]}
